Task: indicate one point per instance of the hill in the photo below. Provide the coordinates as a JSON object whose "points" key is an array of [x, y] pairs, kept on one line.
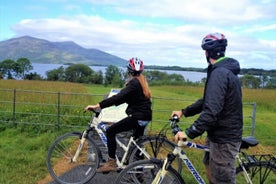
{"points": [[46, 52], [43, 51]]}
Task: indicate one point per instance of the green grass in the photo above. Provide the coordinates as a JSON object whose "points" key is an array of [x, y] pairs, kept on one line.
{"points": [[23, 156], [23, 149]]}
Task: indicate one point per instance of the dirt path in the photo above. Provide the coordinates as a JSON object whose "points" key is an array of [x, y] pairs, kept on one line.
{"points": [[98, 178]]}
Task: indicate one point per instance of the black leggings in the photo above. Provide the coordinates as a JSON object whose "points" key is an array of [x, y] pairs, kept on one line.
{"points": [[126, 124]]}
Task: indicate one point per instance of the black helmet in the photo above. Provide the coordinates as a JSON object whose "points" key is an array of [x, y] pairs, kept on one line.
{"points": [[135, 66], [213, 40]]}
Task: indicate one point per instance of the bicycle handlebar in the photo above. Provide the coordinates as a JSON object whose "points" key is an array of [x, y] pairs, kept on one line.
{"points": [[173, 123], [97, 113], [175, 128], [174, 120]]}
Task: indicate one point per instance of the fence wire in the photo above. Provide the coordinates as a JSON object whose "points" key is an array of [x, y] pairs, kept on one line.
{"points": [[65, 109]]}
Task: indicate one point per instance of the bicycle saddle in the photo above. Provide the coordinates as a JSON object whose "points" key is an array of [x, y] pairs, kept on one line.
{"points": [[249, 141]]}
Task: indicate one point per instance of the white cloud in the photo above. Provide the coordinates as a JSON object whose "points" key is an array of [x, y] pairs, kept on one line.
{"points": [[164, 43], [270, 44], [260, 28], [196, 10]]}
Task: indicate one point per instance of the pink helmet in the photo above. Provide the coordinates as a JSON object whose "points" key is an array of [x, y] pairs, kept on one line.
{"points": [[135, 66]]}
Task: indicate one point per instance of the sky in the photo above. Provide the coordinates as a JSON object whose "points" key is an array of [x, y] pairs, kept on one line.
{"points": [[159, 32]]}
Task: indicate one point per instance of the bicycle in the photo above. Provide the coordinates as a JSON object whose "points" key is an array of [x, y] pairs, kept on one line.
{"points": [[74, 157], [251, 169]]}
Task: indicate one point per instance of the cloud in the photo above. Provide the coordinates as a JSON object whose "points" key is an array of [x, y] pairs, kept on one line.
{"points": [[209, 10], [164, 32], [261, 28]]}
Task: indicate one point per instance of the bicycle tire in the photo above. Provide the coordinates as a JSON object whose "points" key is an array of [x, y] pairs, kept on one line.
{"points": [[260, 172], [59, 159], [156, 147], [144, 171]]}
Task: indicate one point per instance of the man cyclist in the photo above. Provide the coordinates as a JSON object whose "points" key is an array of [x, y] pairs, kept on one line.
{"points": [[220, 112]]}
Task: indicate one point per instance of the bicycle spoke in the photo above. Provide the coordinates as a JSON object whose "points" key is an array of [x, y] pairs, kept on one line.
{"points": [[59, 159]]}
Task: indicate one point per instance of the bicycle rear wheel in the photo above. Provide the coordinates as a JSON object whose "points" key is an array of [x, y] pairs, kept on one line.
{"points": [[144, 171], [60, 164], [260, 172], [156, 147]]}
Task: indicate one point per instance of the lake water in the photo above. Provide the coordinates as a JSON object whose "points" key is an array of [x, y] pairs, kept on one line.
{"points": [[41, 69]]}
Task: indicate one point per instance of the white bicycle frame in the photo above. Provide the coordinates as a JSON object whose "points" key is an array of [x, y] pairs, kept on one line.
{"points": [[100, 127], [179, 152]]}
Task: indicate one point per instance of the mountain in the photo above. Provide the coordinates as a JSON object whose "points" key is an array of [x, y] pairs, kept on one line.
{"points": [[43, 51]]}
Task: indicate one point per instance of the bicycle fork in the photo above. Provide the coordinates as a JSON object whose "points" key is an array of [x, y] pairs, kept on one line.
{"points": [[161, 173], [83, 138]]}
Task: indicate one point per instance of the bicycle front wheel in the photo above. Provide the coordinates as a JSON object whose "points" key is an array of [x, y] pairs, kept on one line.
{"points": [[260, 172], [60, 162], [156, 147], [144, 171]]}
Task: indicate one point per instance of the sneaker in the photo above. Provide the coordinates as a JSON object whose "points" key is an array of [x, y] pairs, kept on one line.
{"points": [[109, 166]]}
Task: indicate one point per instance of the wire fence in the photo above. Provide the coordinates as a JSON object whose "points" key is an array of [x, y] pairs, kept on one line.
{"points": [[64, 109]]}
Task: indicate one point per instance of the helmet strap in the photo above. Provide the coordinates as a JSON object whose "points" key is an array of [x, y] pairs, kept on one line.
{"points": [[132, 73], [208, 59], [207, 54]]}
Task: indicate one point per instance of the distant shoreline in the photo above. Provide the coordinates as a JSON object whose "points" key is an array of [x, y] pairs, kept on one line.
{"points": [[193, 76], [244, 71]]}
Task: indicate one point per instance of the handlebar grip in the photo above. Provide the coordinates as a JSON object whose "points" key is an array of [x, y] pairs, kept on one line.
{"points": [[174, 118], [97, 113]]}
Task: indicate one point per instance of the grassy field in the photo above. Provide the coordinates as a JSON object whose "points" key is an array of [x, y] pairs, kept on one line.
{"points": [[23, 152]]}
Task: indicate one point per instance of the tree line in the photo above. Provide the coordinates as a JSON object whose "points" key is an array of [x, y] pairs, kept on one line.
{"points": [[114, 76]]}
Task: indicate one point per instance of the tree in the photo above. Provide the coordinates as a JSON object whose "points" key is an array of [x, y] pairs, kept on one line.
{"points": [[56, 74], [176, 78], [11, 69], [7, 68], [33, 76], [78, 73], [117, 80], [113, 76], [97, 78], [155, 75], [271, 83], [21, 67], [250, 81], [264, 80]]}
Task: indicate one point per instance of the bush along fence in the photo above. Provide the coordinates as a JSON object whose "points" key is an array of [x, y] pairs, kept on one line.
{"points": [[63, 109]]}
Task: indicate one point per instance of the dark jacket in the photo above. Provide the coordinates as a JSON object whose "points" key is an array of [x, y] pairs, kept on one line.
{"points": [[138, 107], [221, 106]]}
